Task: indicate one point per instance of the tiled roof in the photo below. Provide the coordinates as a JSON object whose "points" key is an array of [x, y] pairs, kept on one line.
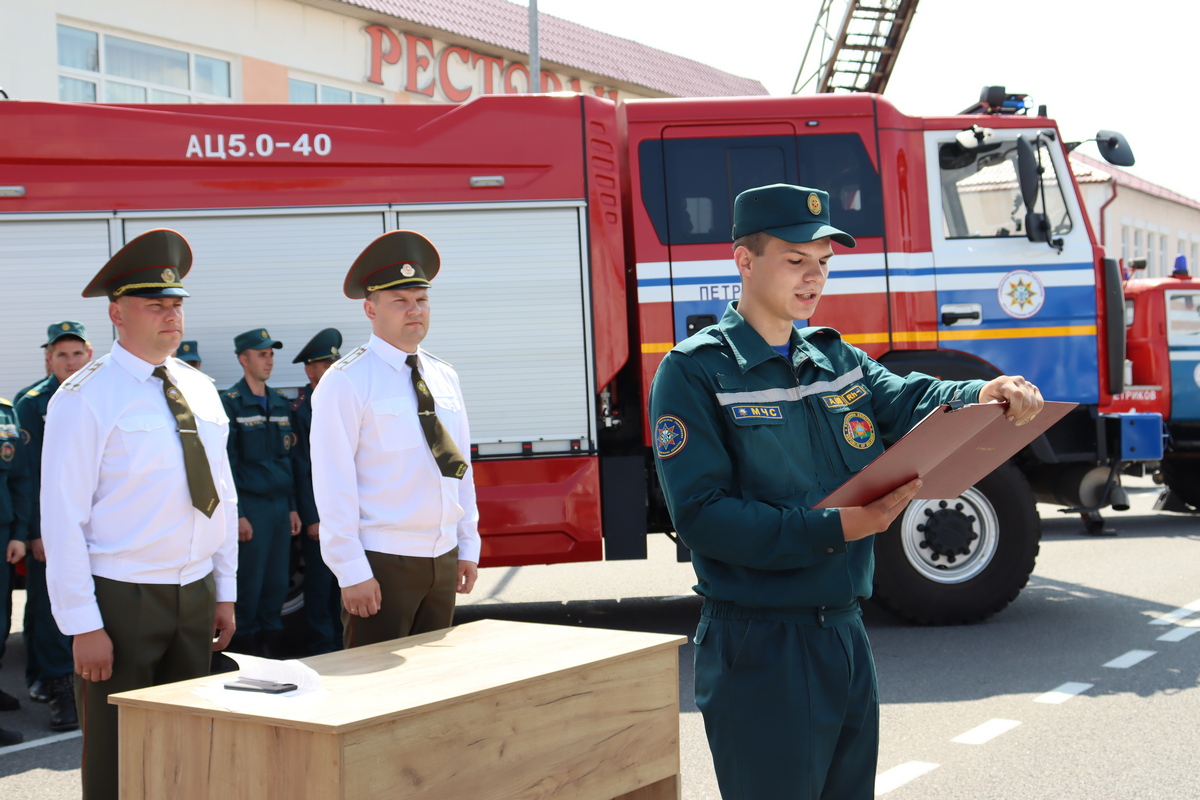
{"points": [[506, 25], [1123, 178]]}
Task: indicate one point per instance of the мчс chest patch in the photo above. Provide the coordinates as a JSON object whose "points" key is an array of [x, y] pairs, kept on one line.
{"points": [[858, 430], [670, 435], [745, 412]]}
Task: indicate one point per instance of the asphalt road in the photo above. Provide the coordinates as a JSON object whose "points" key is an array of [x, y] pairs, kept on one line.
{"points": [[968, 712]]}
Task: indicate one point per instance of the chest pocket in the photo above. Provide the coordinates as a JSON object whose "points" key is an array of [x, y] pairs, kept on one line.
{"points": [[10, 440], [849, 416], [253, 443], [143, 443], [396, 425]]}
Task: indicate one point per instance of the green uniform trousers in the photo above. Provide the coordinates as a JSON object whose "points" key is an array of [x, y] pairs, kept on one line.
{"points": [[790, 702], [417, 596], [161, 633], [47, 649], [263, 566]]}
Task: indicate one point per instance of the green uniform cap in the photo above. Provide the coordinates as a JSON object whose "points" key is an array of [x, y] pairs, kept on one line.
{"points": [[152, 265], [795, 214], [188, 351], [396, 260], [257, 339], [322, 347], [68, 327]]}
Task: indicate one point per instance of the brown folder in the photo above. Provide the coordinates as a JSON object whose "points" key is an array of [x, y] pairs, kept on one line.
{"points": [[950, 451]]}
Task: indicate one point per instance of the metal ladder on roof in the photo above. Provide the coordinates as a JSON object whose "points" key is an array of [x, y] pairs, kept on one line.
{"points": [[857, 55]]}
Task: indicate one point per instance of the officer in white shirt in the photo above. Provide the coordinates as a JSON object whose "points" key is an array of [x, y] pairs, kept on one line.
{"points": [[390, 458], [139, 510]]}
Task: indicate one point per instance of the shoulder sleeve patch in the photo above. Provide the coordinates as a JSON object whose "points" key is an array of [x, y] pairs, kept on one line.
{"points": [[83, 376], [670, 436], [348, 359], [25, 437]]}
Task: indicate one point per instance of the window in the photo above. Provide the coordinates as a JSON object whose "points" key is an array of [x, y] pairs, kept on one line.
{"points": [[1137, 243], [689, 185], [1183, 318], [310, 92], [1150, 269], [1193, 266], [99, 66], [1163, 259], [982, 199], [1125, 243]]}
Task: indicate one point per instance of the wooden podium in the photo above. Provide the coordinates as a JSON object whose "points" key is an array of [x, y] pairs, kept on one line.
{"points": [[489, 709]]}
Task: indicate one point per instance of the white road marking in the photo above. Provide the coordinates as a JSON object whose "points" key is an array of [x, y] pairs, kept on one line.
{"points": [[896, 777], [1129, 659], [1063, 693], [987, 731], [58, 737], [1178, 634], [1177, 614]]}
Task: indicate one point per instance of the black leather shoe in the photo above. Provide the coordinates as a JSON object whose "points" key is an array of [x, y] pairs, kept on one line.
{"points": [[10, 737], [8, 702], [38, 692], [62, 704]]}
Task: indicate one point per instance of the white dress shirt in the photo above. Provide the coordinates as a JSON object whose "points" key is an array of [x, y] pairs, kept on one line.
{"points": [[375, 480], [115, 499]]}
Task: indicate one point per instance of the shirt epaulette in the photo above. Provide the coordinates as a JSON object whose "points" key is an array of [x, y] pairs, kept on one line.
{"points": [[181, 362], [432, 357], [709, 337], [4, 401], [32, 393], [831, 332], [350, 358], [232, 393], [281, 394], [84, 375]]}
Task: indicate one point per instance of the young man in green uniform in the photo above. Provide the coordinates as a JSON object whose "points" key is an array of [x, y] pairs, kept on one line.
{"points": [[14, 520], [260, 443], [322, 598], [189, 353], [754, 423], [49, 663]]}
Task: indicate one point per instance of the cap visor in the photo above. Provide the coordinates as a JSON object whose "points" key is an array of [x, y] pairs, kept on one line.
{"points": [[167, 292], [810, 232]]}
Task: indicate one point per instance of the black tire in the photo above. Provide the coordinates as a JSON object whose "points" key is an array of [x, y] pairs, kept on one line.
{"points": [[1182, 475], [995, 521]]}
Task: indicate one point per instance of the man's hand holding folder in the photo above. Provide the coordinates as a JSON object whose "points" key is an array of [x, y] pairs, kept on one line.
{"points": [[871, 500]]}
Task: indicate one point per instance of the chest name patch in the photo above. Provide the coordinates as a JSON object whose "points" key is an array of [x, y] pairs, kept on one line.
{"points": [[746, 411], [858, 430], [670, 435]]}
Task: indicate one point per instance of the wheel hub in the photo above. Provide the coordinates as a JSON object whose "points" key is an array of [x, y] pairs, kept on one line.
{"points": [[949, 532]]}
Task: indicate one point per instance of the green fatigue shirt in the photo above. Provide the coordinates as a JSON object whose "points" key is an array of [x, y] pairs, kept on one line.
{"points": [[747, 442], [306, 504], [14, 480], [260, 443], [31, 410]]}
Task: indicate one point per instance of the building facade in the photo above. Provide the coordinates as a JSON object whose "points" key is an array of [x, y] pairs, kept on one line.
{"points": [[323, 51]]}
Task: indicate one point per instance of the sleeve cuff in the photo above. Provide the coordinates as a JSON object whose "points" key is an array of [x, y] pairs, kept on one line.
{"points": [[353, 572], [19, 532], [468, 549], [826, 531], [80, 620], [226, 590]]}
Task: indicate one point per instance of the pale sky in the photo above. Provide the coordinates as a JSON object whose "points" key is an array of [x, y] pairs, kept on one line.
{"points": [[1129, 67]]}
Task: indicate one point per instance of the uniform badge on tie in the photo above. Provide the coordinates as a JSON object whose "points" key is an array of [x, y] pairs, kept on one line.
{"points": [[449, 460]]}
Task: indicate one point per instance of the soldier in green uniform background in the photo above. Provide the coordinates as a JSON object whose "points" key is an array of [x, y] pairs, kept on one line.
{"points": [[14, 520], [755, 422], [189, 353], [322, 597], [260, 443], [49, 663]]}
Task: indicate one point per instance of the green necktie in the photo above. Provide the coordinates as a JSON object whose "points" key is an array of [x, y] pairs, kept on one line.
{"points": [[195, 460], [445, 453]]}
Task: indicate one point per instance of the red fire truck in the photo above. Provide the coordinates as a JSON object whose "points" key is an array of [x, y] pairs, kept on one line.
{"points": [[580, 241]]}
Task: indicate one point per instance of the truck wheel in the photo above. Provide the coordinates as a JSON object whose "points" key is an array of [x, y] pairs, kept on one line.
{"points": [[1183, 478], [950, 562]]}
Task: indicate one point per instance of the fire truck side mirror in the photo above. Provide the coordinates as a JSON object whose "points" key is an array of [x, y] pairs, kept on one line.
{"points": [[1114, 148], [1027, 173], [1137, 263]]}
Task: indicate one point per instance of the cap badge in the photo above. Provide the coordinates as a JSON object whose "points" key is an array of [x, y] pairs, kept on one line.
{"points": [[187, 347], [264, 335], [407, 271], [168, 276], [335, 352], [814, 203], [66, 326]]}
